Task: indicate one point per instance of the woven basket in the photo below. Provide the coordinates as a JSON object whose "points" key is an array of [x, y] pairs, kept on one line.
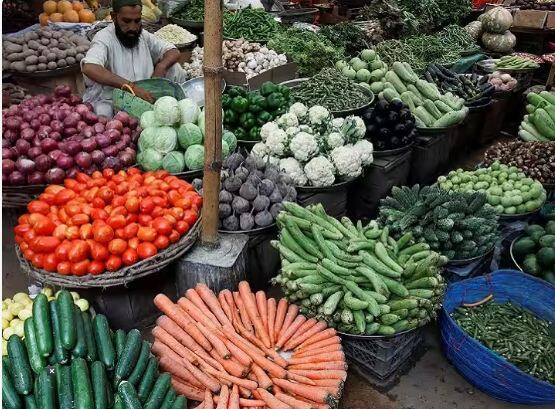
{"points": [[120, 277], [20, 196]]}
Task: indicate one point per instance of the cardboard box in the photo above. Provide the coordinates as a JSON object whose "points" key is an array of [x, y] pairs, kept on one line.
{"points": [[530, 19], [279, 74]]}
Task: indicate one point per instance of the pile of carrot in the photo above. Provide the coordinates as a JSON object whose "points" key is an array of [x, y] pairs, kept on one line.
{"points": [[224, 351]]}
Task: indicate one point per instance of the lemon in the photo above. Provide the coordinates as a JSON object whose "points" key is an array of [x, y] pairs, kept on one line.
{"points": [[15, 308], [19, 329], [7, 333], [47, 291], [5, 323], [21, 298], [82, 304], [25, 313], [74, 295], [7, 315]]}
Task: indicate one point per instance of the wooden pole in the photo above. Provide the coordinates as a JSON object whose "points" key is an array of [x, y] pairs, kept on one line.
{"points": [[213, 119]]}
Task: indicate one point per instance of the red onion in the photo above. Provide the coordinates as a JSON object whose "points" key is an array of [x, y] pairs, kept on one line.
{"points": [[114, 124], [71, 148], [90, 117], [48, 144], [16, 178], [81, 109], [72, 120], [97, 156], [57, 125], [133, 122], [8, 166], [83, 160], [57, 136], [10, 135], [28, 134], [55, 176], [71, 173], [25, 165], [89, 144], [44, 119], [22, 146], [5, 143], [35, 124], [123, 117], [81, 125], [103, 140], [111, 150], [7, 153], [29, 116], [55, 154], [62, 91], [126, 131], [12, 123], [69, 131], [113, 134], [24, 125], [64, 161], [102, 119], [34, 152], [35, 178], [112, 162], [98, 128]]}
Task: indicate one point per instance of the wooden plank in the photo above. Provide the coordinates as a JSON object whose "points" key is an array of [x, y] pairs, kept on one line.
{"points": [[530, 19]]}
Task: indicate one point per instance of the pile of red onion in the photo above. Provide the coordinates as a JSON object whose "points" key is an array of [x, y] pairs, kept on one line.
{"points": [[48, 138]]}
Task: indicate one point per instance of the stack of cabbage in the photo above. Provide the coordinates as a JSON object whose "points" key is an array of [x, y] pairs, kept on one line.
{"points": [[539, 123], [314, 148], [252, 192], [367, 69], [507, 189], [173, 136]]}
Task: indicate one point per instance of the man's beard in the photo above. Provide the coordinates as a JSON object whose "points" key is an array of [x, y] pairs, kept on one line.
{"points": [[128, 40]]}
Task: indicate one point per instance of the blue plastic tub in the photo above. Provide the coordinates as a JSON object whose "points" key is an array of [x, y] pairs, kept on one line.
{"points": [[482, 367]]}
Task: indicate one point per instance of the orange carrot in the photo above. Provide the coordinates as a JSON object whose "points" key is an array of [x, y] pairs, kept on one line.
{"points": [[262, 306], [322, 335], [196, 313], [277, 358], [169, 365], [173, 343], [314, 393], [272, 305], [208, 400], [339, 365], [202, 377], [215, 341], [234, 398], [314, 404], [314, 374], [245, 393], [338, 383], [300, 379], [164, 304], [223, 398], [160, 348], [237, 353], [325, 356], [245, 383], [230, 366], [308, 329], [271, 401], [196, 299], [198, 336], [225, 306], [242, 312], [262, 378], [252, 311], [292, 312], [190, 392], [212, 302], [318, 351], [294, 403], [199, 406], [247, 403], [280, 317], [290, 330]]}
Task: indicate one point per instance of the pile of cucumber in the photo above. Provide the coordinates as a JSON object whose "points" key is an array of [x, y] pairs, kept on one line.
{"points": [[474, 89], [358, 279], [430, 107], [69, 359], [515, 63], [539, 122]]}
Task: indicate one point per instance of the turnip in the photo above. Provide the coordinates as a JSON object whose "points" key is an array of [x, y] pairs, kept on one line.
{"points": [[263, 218], [248, 191], [240, 205]]}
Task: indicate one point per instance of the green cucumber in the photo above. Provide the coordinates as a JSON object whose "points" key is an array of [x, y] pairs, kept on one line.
{"points": [[19, 365], [89, 336], [386, 330], [30, 402], [395, 287], [407, 303], [332, 302], [10, 398], [43, 329], [354, 303], [180, 402], [159, 390], [118, 404], [141, 364], [80, 348], [100, 387], [168, 399], [378, 266], [66, 316], [82, 388], [389, 319], [128, 396], [46, 390], [64, 386], [36, 360], [148, 379], [105, 347], [119, 342], [421, 293], [128, 357], [371, 328], [60, 355], [360, 321]]}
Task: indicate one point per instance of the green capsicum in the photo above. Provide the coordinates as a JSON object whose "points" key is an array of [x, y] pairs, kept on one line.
{"points": [[256, 102], [275, 100], [236, 92], [239, 104], [230, 116], [247, 120], [240, 134], [268, 88], [264, 117], [226, 101], [254, 133]]}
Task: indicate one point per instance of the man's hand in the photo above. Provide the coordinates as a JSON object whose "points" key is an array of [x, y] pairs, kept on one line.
{"points": [[143, 94], [159, 71]]}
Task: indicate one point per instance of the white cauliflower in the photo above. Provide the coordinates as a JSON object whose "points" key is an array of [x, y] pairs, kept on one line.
{"points": [[288, 120], [259, 150], [299, 109], [365, 150], [334, 140], [318, 115], [292, 167], [277, 142], [319, 171], [303, 146], [347, 161], [306, 128], [291, 132], [360, 129], [353, 128], [267, 129], [272, 160], [337, 123]]}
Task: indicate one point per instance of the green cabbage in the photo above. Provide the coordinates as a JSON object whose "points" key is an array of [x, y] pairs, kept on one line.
{"points": [[174, 162], [166, 111], [225, 149], [147, 139], [189, 111], [150, 159], [148, 120], [201, 121], [189, 134], [194, 157], [231, 140], [165, 139]]}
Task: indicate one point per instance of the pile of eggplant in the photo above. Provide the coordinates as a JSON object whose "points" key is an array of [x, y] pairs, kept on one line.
{"points": [[475, 89]]}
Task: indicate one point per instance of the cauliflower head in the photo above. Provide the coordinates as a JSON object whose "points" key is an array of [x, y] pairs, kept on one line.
{"points": [[306, 128], [288, 120], [303, 146], [337, 123], [299, 109], [365, 150], [319, 171], [353, 128], [277, 142], [318, 115], [272, 160], [347, 161], [293, 168], [259, 150], [267, 129], [334, 140], [291, 132]]}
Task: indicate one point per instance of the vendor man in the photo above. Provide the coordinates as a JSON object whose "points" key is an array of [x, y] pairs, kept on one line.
{"points": [[123, 53]]}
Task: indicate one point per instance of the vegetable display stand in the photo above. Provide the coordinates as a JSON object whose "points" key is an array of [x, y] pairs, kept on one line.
{"points": [[430, 156], [496, 113], [263, 260], [467, 134], [376, 183], [333, 198], [45, 82], [383, 360], [482, 367]]}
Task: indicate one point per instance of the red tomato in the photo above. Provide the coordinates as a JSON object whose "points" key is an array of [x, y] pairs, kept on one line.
{"points": [[81, 268], [130, 231], [182, 227], [98, 203], [131, 218], [177, 212], [161, 242], [144, 219], [28, 254], [146, 233], [190, 217], [174, 236], [162, 225], [96, 267], [72, 232], [119, 234], [38, 260], [64, 268], [21, 229], [116, 222], [62, 251], [41, 224], [99, 214], [78, 251], [64, 196], [86, 231], [147, 205], [79, 219], [132, 204], [134, 243], [160, 201], [30, 236], [103, 233], [60, 231], [22, 244], [50, 262], [38, 206], [106, 194], [117, 246], [45, 244], [113, 263], [129, 256], [99, 252], [72, 209], [146, 250]]}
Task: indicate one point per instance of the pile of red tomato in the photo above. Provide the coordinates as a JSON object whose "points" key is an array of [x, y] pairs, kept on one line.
{"points": [[106, 221]]}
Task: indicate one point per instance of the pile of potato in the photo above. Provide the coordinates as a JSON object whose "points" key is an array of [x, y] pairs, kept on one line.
{"points": [[17, 309], [42, 50]]}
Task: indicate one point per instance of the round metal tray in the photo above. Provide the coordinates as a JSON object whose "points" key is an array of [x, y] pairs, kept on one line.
{"points": [[250, 232], [391, 152], [316, 189], [462, 262], [70, 69], [513, 258], [353, 111], [515, 217]]}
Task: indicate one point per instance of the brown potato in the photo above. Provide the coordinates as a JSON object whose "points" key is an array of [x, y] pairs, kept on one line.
{"points": [[43, 59], [33, 44], [52, 65], [31, 68], [17, 66], [10, 47], [51, 57], [32, 60], [70, 60], [42, 67], [15, 57], [79, 56], [61, 63], [44, 41]]}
